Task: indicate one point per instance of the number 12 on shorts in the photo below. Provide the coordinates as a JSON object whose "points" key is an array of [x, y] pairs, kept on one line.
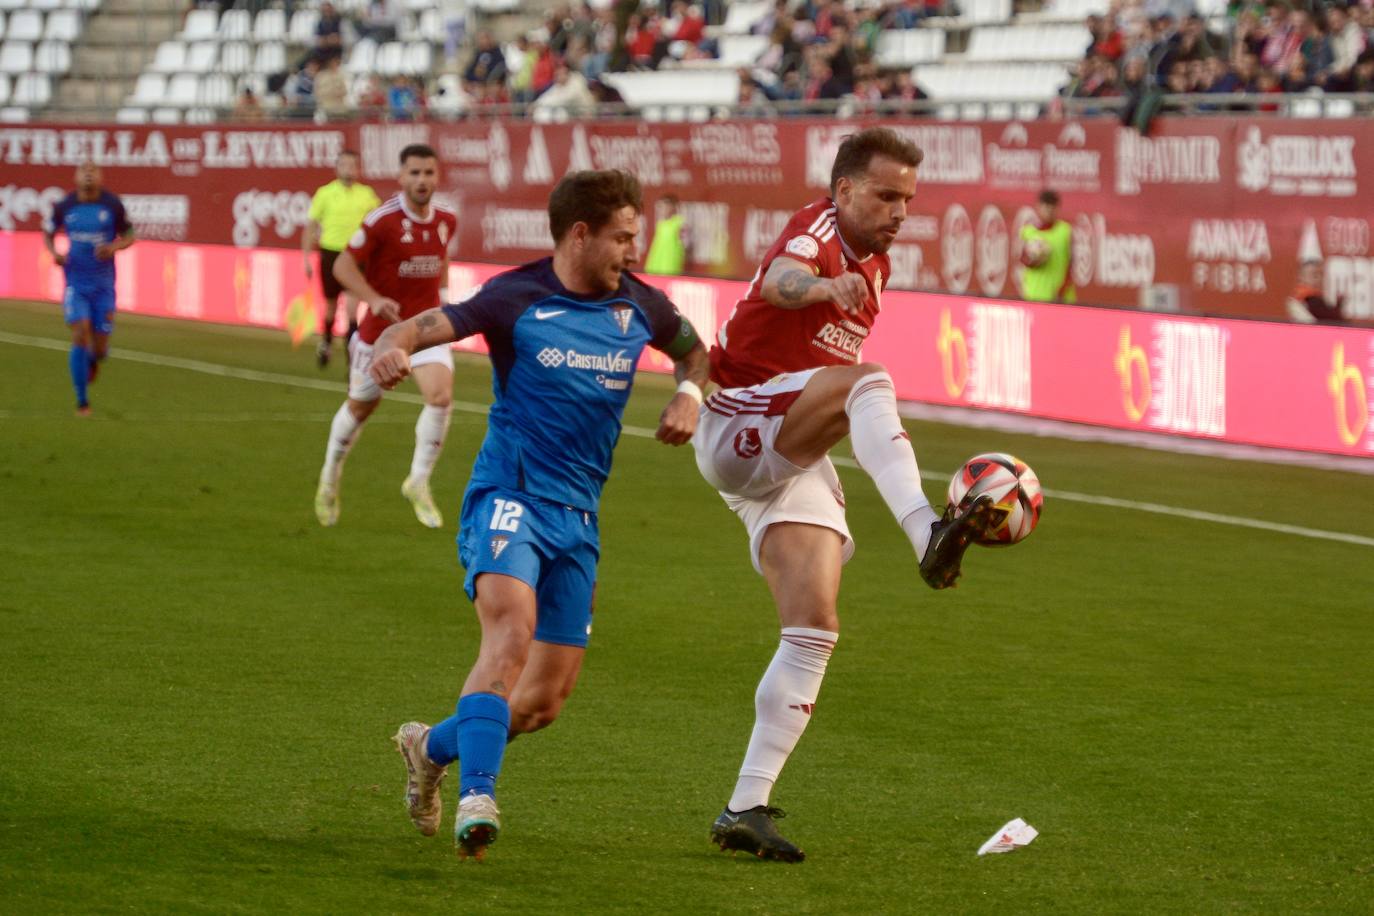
{"points": [[506, 516]]}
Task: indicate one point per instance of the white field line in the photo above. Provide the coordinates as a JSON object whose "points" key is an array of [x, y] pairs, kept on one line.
{"points": [[274, 378]]}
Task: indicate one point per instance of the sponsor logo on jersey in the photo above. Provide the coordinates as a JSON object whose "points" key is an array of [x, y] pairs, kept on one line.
{"points": [[552, 358], [406, 235], [622, 316], [803, 246], [499, 542], [843, 339], [543, 315], [748, 444]]}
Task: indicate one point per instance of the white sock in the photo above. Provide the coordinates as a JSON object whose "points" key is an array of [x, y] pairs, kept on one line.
{"points": [[883, 450], [343, 432], [782, 708], [430, 430]]}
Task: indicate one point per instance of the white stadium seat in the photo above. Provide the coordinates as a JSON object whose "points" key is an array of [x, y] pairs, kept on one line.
{"points": [[270, 26], [909, 47], [131, 116], [676, 87], [202, 116], [12, 4], [200, 57], [418, 59], [13, 115], [183, 90], [271, 58], [388, 60], [2, 24], [63, 25], [741, 50], [16, 57], [235, 57], [166, 116], [45, 4], [4, 88], [740, 17], [216, 91], [303, 27], [25, 25], [169, 58], [53, 57], [150, 89], [201, 25], [235, 25], [361, 58], [32, 90]]}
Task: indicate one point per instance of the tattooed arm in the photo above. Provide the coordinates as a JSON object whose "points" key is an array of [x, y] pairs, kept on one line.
{"points": [[391, 352], [791, 284]]}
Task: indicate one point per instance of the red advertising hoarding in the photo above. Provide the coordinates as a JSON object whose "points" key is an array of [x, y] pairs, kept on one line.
{"points": [[1261, 383], [1204, 215]]}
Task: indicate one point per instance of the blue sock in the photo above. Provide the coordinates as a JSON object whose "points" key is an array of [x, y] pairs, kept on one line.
{"points": [[443, 741], [79, 362], [483, 723]]}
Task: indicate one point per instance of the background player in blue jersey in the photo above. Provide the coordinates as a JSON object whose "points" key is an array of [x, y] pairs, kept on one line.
{"points": [[97, 227], [565, 334]]}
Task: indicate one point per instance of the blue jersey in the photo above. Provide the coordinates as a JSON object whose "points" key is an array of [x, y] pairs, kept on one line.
{"points": [[562, 369], [88, 224]]}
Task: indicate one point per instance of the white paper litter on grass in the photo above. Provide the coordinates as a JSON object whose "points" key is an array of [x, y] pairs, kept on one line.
{"points": [[1013, 835]]}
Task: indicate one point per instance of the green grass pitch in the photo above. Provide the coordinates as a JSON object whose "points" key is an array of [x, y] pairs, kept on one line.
{"points": [[198, 683]]}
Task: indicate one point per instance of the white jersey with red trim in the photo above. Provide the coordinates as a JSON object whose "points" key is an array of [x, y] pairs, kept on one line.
{"points": [[760, 340]]}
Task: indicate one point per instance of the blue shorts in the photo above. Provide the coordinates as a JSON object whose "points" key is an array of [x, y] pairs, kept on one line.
{"points": [[550, 547], [96, 305]]}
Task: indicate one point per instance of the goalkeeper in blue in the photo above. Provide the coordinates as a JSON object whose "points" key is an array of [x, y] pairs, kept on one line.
{"points": [[96, 227], [565, 335]]}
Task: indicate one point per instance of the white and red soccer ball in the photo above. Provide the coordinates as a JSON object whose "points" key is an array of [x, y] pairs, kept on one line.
{"points": [[1015, 492]]}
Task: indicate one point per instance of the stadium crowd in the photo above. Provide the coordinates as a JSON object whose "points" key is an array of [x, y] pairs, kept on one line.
{"points": [[818, 50]]}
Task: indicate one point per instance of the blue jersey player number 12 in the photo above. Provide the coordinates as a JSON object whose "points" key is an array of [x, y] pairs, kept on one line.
{"points": [[565, 335]]}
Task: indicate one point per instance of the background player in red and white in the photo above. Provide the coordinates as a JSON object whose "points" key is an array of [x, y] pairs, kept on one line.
{"points": [[793, 384], [397, 262]]}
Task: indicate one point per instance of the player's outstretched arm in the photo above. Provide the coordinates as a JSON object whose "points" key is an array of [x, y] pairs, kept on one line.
{"points": [[351, 278], [692, 369], [391, 352], [790, 284]]}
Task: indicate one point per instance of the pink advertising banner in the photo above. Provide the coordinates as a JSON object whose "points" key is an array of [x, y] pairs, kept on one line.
{"points": [[1261, 383]]}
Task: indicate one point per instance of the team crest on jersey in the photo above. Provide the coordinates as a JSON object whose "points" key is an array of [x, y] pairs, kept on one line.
{"points": [[406, 234], [104, 216], [443, 233], [804, 246], [622, 316], [499, 543]]}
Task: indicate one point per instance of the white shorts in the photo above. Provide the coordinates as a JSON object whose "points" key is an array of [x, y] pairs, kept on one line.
{"points": [[361, 387], [734, 449]]}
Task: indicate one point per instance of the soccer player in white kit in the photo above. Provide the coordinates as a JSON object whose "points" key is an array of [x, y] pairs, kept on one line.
{"points": [[792, 385]]}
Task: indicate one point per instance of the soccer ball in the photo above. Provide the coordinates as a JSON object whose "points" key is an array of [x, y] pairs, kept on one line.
{"points": [[1037, 252], [1014, 488]]}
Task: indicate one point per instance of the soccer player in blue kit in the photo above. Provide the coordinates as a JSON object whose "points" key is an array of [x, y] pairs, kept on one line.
{"points": [[97, 227], [565, 334]]}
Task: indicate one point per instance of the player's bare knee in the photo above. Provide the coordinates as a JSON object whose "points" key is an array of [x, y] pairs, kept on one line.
{"points": [[361, 410], [440, 399]]}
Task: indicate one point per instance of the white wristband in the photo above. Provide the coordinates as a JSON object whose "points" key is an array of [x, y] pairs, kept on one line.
{"points": [[443, 295], [690, 388]]}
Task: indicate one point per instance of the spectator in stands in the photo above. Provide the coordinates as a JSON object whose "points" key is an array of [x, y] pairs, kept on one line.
{"points": [[1306, 304], [331, 89], [379, 21], [641, 38], [372, 100], [1359, 79], [1195, 42], [1250, 34], [300, 91], [247, 108], [907, 14], [1296, 79], [569, 93], [752, 101], [783, 52], [402, 100], [867, 28], [488, 64], [903, 88], [455, 13], [840, 56], [1241, 78], [328, 32], [1177, 82], [1106, 39], [520, 66], [1347, 41], [545, 65]]}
